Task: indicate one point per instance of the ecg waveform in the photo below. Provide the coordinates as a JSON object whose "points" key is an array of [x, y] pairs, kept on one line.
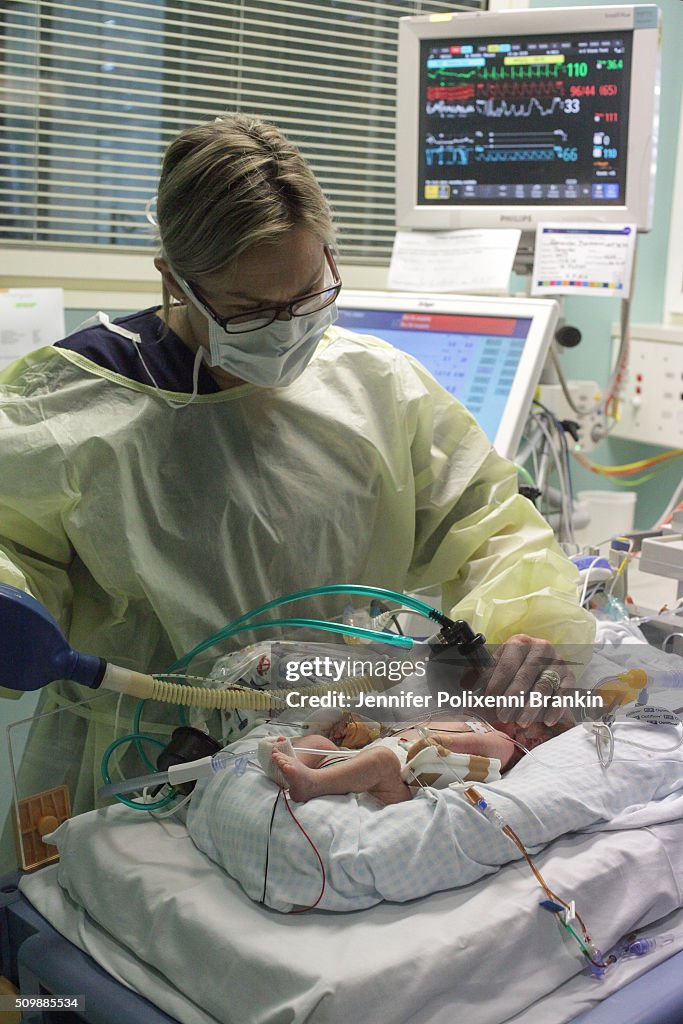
{"points": [[493, 108], [518, 90], [494, 73]]}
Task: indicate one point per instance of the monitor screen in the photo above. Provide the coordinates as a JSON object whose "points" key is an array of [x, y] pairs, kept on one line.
{"points": [[488, 353], [515, 117], [541, 118]]}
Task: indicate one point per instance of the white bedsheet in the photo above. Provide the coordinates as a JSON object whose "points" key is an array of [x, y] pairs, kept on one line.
{"points": [[485, 953]]}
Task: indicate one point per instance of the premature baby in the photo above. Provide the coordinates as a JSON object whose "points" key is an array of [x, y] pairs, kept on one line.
{"points": [[394, 770]]}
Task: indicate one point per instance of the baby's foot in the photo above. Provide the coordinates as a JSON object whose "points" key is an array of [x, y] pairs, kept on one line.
{"points": [[301, 780]]}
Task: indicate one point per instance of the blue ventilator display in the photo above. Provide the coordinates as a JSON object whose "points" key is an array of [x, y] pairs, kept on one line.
{"points": [[475, 358]]}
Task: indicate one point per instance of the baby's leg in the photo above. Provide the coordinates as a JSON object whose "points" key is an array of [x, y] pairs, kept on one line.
{"points": [[375, 771], [313, 742]]}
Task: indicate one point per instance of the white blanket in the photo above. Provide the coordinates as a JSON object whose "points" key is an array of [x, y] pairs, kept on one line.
{"points": [[436, 841]]}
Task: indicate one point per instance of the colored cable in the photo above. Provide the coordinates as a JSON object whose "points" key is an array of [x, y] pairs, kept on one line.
{"points": [[343, 588], [157, 805], [304, 910]]}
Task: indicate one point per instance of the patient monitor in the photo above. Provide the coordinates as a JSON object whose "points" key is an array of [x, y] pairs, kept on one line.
{"points": [[508, 118], [487, 352]]}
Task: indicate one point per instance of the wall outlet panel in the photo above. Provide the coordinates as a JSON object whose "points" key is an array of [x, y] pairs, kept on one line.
{"points": [[651, 405]]}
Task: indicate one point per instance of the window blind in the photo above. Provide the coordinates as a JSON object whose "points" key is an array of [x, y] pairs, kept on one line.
{"points": [[94, 90]]}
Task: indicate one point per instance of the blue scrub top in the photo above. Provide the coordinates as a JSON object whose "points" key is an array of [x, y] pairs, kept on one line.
{"points": [[169, 359]]}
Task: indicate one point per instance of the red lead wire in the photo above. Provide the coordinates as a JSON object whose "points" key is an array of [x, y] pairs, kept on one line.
{"points": [[304, 910]]}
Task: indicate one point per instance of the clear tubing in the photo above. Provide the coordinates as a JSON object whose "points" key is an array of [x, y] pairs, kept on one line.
{"points": [[132, 785], [331, 627], [554, 766], [226, 757], [219, 761], [340, 752], [158, 804]]}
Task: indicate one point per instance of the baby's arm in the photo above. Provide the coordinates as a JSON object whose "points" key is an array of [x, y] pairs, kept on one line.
{"points": [[459, 738]]}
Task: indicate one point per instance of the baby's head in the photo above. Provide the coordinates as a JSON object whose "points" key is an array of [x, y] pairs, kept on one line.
{"points": [[353, 733], [531, 735]]}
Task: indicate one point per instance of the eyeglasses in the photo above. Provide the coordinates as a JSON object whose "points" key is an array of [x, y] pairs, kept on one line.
{"points": [[255, 319]]}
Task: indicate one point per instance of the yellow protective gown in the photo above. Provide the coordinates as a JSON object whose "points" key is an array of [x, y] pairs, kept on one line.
{"points": [[144, 528]]}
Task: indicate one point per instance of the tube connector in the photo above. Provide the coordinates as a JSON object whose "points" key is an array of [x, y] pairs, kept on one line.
{"points": [[642, 946], [484, 807], [190, 770], [459, 634], [125, 680]]}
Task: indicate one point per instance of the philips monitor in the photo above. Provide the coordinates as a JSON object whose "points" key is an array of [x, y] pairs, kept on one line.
{"points": [[487, 352], [508, 118]]}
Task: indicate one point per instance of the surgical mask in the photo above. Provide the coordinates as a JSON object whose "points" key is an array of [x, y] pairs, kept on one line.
{"points": [[272, 356]]}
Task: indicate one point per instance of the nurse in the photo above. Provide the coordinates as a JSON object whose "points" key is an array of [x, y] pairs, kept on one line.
{"points": [[165, 473]]}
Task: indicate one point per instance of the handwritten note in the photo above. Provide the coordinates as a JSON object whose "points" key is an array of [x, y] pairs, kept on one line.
{"points": [[583, 259]]}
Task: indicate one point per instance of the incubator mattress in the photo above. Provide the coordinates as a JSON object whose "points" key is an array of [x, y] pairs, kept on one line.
{"points": [[139, 892], [167, 921]]}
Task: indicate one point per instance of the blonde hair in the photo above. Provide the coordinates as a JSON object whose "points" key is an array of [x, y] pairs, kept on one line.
{"points": [[228, 186]]}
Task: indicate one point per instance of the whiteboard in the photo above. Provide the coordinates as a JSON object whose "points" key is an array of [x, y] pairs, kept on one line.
{"points": [[29, 319]]}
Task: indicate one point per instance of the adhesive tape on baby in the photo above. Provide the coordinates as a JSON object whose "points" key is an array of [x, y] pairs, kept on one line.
{"points": [[610, 512]]}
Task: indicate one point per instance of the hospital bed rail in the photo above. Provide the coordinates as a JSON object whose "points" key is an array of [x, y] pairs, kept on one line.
{"points": [[40, 961]]}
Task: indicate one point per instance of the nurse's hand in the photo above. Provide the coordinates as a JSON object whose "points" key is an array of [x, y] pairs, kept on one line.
{"points": [[522, 664]]}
